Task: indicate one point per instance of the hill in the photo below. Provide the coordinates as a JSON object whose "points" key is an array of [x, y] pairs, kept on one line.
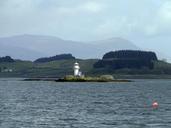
{"points": [[30, 47], [8, 49], [6, 59], [61, 65], [57, 68], [61, 68], [54, 58], [130, 59]]}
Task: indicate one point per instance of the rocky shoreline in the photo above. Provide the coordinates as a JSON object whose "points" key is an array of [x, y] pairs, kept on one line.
{"points": [[119, 80], [75, 80]]}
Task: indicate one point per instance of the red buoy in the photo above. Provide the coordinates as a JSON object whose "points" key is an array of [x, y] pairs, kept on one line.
{"points": [[155, 105]]}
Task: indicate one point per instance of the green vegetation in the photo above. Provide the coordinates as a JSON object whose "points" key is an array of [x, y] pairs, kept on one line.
{"points": [[103, 78], [107, 77], [54, 58], [160, 67], [62, 67], [58, 68], [6, 59], [130, 59]]}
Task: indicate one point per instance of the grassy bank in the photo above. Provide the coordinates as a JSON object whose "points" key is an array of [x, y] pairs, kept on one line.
{"points": [[61, 68]]}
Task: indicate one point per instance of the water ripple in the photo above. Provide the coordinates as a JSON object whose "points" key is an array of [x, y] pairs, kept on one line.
{"points": [[84, 105]]}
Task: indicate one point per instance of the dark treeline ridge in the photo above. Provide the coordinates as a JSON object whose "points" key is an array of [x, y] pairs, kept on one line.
{"points": [[54, 58], [132, 59], [6, 59], [130, 54]]}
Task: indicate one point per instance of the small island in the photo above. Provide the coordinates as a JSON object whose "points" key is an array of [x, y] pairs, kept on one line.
{"points": [[103, 78], [79, 77], [71, 78]]}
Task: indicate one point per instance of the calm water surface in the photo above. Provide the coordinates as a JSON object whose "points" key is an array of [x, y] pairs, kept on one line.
{"points": [[84, 105]]}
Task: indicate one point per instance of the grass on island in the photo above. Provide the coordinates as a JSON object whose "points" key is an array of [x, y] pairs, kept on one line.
{"points": [[102, 78]]}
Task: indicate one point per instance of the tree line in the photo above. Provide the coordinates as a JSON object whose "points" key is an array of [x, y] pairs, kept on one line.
{"points": [[54, 58], [132, 59], [6, 59]]}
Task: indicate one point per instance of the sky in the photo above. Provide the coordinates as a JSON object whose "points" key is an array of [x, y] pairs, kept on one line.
{"points": [[145, 22]]}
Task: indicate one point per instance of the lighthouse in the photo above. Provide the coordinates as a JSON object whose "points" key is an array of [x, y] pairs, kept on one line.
{"points": [[76, 69]]}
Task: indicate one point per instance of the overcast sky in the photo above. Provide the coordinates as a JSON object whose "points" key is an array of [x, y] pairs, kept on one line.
{"points": [[145, 22]]}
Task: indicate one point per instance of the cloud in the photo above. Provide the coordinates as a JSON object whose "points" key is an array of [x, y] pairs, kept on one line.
{"points": [[91, 7], [114, 27], [88, 19], [87, 7], [160, 22], [150, 30], [155, 21], [165, 12]]}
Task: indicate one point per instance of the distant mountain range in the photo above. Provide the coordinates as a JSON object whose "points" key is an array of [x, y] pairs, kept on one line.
{"points": [[18, 52], [31, 47]]}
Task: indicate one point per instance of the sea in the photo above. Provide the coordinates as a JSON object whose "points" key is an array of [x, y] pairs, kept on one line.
{"points": [[41, 104]]}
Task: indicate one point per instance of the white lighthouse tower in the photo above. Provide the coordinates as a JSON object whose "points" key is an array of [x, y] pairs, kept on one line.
{"points": [[76, 69]]}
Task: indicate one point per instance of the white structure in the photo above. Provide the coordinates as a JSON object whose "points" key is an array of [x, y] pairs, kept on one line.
{"points": [[76, 69]]}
